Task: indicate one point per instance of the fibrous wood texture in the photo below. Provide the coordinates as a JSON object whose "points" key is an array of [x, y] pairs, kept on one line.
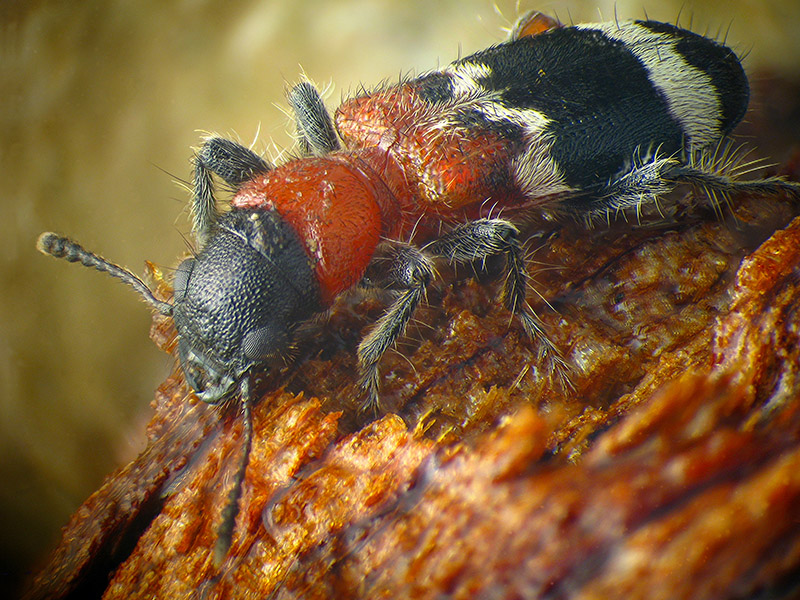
{"points": [[671, 469]]}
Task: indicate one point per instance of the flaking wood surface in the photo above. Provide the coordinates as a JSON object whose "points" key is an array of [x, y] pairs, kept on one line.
{"points": [[670, 470]]}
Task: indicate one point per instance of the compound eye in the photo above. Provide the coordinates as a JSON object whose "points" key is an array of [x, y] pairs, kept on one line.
{"points": [[180, 282], [262, 343]]}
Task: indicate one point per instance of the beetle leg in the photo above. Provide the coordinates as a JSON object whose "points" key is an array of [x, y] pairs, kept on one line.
{"points": [[409, 273], [231, 162], [483, 238], [315, 132]]}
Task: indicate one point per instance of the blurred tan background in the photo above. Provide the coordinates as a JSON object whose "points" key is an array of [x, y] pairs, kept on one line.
{"points": [[101, 102]]}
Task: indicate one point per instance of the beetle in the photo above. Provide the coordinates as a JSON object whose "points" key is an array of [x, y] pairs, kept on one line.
{"points": [[586, 120]]}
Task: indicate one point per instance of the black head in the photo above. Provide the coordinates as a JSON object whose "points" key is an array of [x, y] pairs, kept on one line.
{"points": [[236, 303]]}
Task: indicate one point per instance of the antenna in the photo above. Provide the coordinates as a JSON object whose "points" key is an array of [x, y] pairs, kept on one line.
{"points": [[231, 509], [59, 246]]}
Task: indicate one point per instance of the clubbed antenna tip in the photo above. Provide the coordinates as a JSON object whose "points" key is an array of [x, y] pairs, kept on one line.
{"points": [[59, 246]]}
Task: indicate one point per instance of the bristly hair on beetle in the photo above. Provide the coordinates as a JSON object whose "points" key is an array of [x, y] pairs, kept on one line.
{"points": [[586, 120]]}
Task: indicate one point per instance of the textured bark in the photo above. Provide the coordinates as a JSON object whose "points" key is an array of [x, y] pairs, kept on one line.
{"points": [[672, 469]]}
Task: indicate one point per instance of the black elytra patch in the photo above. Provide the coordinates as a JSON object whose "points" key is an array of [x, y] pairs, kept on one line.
{"points": [[477, 120], [595, 92], [719, 63], [435, 88]]}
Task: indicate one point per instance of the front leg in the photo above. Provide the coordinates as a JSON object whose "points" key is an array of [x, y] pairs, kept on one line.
{"points": [[231, 162]]}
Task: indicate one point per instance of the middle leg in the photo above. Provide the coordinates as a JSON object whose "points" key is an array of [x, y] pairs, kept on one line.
{"points": [[483, 238]]}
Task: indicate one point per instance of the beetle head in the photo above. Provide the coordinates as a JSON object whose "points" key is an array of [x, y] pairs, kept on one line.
{"points": [[236, 303]]}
